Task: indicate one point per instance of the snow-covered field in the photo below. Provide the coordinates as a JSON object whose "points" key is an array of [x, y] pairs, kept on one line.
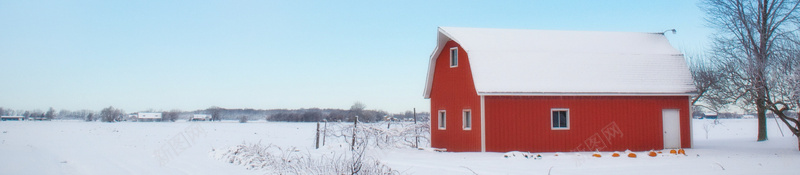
{"points": [[75, 147]]}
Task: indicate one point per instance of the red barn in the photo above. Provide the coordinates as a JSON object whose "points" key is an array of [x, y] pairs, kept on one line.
{"points": [[504, 90]]}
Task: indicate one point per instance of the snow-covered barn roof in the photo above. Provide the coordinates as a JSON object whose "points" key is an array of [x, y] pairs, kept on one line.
{"points": [[542, 62]]}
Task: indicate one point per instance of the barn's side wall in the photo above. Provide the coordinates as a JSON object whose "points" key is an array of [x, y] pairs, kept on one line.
{"points": [[605, 123], [453, 90]]}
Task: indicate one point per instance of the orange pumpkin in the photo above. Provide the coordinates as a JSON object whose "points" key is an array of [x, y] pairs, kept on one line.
{"points": [[615, 154], [596, 155], [681, 151], [672, 151], [652, 153], [632, 155]]}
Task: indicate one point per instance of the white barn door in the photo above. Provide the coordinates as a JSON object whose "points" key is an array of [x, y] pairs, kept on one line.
{"points": [[672, 128]]}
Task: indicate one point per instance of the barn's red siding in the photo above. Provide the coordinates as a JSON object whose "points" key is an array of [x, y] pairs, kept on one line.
{"points": [[522, 123], [453, 90]]}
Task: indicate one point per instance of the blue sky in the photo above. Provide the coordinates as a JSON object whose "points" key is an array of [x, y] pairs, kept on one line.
{"points": [[189, 55]]}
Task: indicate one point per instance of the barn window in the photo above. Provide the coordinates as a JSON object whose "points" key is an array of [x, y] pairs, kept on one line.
{"points": [[467, 119], [559, 118], [454, 57], [442, 119]]}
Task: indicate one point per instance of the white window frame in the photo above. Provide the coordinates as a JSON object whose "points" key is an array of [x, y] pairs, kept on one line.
{"points": [[453, 57], [464, 121], [551, 118], [442, 119]]}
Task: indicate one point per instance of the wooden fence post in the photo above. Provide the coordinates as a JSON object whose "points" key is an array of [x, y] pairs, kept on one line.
{"points": [[355, 129], [416, 130], [316, 139]]}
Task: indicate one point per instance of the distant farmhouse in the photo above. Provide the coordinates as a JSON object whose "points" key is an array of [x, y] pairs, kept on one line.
{"points": [[38, 118], [201, 117], [145, 117], [501, 90], [12, 118], [710, 115]]}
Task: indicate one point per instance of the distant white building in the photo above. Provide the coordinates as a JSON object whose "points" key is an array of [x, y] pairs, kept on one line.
{"points": [[710, 115], [748, 116], [146, 117], [12, 118], [201, 117]]}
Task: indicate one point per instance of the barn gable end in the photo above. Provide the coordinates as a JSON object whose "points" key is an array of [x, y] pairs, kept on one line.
{"points": [[453, 94]]}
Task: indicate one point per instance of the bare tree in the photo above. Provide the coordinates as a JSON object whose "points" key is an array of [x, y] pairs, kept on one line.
{"points": [[170, 116], [356, 110], [65, 114], [34, 114], [709, 82], [704, 77], [50, 114], [110, 114], [749, 36], [358, 106], [215, 113], [784, 96], [89, 117]]}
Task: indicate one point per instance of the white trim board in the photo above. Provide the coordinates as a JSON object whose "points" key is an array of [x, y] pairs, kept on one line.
{"points": [[483, 124]]}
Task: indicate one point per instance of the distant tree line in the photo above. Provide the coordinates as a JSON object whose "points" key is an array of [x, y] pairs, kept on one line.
{"points": [[311, 114], [342, 115], [111, 114], [31, 114]]}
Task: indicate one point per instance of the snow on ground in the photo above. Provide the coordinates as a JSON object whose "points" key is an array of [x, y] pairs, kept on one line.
{"points": [[730, 146], [75, 147]]}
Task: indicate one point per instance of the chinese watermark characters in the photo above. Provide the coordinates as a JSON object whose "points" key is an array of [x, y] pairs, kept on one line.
{"points": [[175, 145], [600, 140]]}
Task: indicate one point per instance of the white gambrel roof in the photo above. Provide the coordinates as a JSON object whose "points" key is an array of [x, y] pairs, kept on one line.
{"points": [[542, 62]]}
